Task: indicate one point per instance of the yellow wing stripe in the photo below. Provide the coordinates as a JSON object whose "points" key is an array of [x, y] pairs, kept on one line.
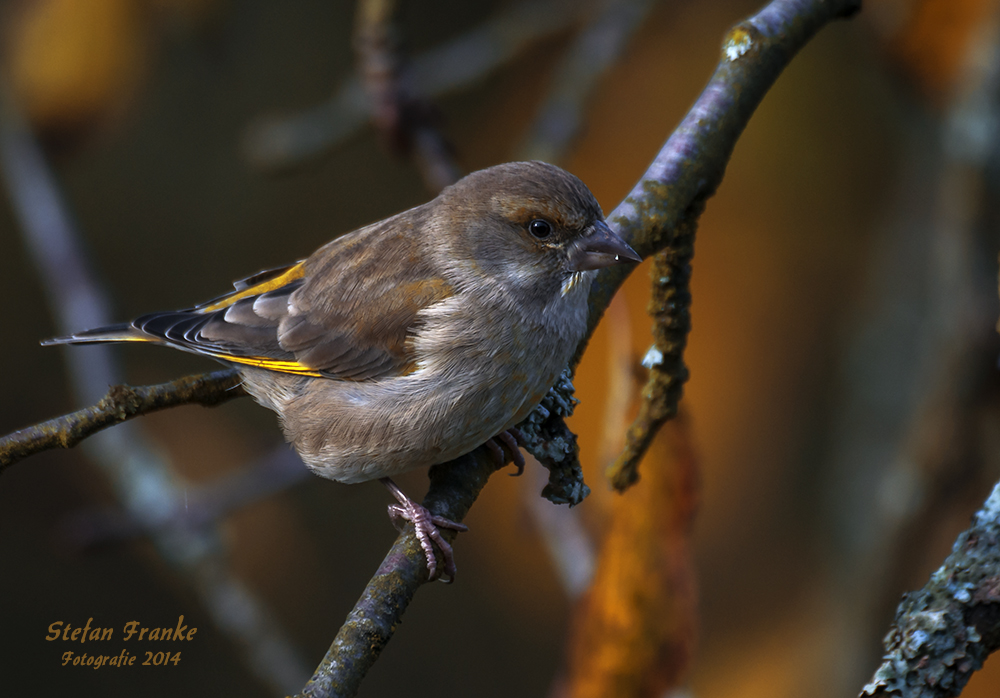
{"points": [[270, 364], [294, 273]]}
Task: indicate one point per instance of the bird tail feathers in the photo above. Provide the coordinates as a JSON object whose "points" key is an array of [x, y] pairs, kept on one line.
{"points": [[123, 332]]}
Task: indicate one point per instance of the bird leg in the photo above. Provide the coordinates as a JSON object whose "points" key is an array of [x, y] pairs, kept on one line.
{"points": [[512, 439], [425, 525]]}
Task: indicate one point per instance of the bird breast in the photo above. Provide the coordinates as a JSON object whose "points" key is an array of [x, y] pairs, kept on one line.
{"points": [[481, 367]]}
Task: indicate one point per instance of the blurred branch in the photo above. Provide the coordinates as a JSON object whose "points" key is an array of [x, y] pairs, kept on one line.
{"points": [[670, 306], [562, 531], [624, 379], [633, 634], [55, 249], [570, 546], [407, 123], [143, 479], [594, 51], [945, 631], [204, 505], [276, 143], [122, 402]]}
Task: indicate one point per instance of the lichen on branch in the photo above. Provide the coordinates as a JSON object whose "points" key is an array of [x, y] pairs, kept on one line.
{"points": [[944, 632], [670, 306]]}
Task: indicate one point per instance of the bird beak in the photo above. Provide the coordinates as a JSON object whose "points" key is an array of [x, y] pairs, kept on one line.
{"points": [[601, 248]]}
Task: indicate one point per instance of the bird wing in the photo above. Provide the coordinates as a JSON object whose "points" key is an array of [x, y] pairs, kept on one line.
{"points": [[345, 312]]}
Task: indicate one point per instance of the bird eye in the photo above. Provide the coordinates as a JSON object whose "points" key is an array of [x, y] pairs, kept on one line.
{"points": [[540, 228]]}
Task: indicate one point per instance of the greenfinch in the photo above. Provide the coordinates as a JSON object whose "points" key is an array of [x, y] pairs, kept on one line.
{"points": [[416, 339]]}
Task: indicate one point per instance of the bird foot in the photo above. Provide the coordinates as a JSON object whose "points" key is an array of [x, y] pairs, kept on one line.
{"points": [[513, 440], [425, 525]]}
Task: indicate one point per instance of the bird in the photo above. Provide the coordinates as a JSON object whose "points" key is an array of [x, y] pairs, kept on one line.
{"points": [[413, 340]]}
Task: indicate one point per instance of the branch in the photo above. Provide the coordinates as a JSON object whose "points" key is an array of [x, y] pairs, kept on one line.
{"points": [[670, 306], [945, 631], [690, 166], [279, 143], [634, 631], [122, 403], [204, 505], [406, 122], [927, 343], [371, 623], [673, 191]]}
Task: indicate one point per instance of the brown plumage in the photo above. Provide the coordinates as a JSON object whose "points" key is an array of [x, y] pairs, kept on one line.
{"points": [[415, 339]]}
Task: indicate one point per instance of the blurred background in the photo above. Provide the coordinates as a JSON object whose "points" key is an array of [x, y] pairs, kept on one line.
{"points": [[839, 427]]}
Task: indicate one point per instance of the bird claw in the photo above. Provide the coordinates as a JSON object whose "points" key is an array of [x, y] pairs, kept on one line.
{"points": [[512, 439], [426, 527]]}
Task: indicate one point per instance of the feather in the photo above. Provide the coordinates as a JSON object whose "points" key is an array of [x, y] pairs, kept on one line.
{"points": [[309, 318]]}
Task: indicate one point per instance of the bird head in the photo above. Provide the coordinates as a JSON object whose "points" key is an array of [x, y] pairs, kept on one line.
{"points": [[530, 226]]}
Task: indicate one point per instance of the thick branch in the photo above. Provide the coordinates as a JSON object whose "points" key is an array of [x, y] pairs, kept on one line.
{"points": [[945, 631], [122, 403]]}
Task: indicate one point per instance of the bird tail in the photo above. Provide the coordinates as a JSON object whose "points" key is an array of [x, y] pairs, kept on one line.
{"points": [[123, 332]]}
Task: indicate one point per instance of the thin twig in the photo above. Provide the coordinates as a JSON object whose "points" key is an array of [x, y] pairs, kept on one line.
{"points": [[123, 402], [670, 306], [405, 120], [276, 143]]}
